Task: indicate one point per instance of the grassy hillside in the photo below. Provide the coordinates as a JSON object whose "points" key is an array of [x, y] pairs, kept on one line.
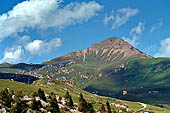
{"points": [[61, 88], [145, 79]]}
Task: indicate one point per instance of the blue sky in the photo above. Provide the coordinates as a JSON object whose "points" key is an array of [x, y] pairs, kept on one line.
{"points": [[34, 31]]}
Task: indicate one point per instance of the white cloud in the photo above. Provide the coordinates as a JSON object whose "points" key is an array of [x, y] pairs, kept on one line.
{"points": [[17, 53], [43, 14], [120, 17], [13, 55], [23, 40], [156, 26], [38, 47], [73, 13], [149, 49], [138, 29], [164, 50], [134, 42], [135, 33], [109, 18]]}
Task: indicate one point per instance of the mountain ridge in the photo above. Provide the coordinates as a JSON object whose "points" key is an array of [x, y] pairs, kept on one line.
{"points": [[108, 50]]}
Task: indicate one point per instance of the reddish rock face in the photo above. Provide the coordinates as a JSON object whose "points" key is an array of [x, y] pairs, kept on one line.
{"points": [[116, 45]]}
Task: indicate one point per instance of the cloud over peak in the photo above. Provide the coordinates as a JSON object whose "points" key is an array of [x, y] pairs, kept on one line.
{"points": [[156, 26], [135, 33], [120, 17], [138, 29], [164, 48]]}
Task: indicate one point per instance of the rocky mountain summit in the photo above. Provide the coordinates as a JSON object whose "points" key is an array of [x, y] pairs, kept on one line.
{"points": [[108, 51]]}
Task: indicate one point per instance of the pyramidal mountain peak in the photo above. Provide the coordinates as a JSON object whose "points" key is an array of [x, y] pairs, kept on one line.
{"points": [[110, 50]]}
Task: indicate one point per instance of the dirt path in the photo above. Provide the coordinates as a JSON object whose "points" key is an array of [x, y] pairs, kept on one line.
{"points": [[142, 104]]}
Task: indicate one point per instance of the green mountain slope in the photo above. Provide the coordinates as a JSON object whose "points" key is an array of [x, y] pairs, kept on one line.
{"points": [[146, 80], [60, 88]]}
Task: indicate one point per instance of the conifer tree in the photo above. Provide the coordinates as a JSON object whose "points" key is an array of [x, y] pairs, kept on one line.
{"points": [[90, 108], [41, 94], [70, 102], [102, 109], [67, 95], [51, 96], [108, 107], [6, 98], [54, 106], [20, 107], [35, 94], [82, 104], [36, 105]]}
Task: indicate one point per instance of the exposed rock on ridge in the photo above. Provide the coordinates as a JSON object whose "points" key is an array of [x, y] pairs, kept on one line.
{"points": [[109, 50]]}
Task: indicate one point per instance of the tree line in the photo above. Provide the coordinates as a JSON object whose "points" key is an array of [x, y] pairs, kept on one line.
{"points": [[14, 103]]}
